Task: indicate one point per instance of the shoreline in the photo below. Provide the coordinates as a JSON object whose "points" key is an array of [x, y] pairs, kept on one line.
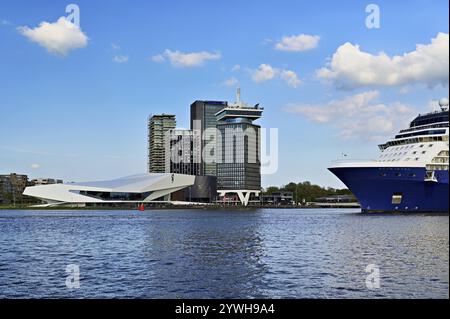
{"points": [[216, 208], [171, 208]]}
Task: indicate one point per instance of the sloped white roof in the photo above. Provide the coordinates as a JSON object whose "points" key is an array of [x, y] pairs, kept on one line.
{"points": [[133, 183], [159, 184]]}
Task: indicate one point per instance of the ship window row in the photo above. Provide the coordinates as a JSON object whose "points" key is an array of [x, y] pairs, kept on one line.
{"points": [[429, 119], [405, 147], [429, 132], [410, 146], [399, 159], [390, 150], [440, 160], [389, 153], [423, 127], [415, 140], [397, 174], [399, 154], [434, 167]]}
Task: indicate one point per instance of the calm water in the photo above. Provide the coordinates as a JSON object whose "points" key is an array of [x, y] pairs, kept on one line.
{"points": [[221, 254]]}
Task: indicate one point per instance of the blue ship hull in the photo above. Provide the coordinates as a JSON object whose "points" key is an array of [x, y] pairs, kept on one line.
{"points": [[374, 187]]}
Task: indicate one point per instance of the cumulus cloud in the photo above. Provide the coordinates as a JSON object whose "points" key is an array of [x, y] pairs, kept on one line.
{"points": [[298, 43], [290, 77], [120, 58], [266, 72], [180, 59], [359, 116], [352, 68], [58, 37], [35, 166], [159, 58]]}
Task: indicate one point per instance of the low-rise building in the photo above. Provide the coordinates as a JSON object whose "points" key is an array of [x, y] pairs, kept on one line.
{"points": [[337, 199], [46, 181], [278, 198]]}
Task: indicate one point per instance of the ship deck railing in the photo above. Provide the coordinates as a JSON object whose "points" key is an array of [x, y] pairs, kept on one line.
{"points": [[358, 160]]}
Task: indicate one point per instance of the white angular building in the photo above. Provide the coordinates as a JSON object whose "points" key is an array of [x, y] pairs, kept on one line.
{"points": [[143, 188]]}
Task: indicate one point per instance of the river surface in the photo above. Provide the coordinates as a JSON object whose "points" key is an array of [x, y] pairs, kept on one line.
{"points": [[267, 253]]}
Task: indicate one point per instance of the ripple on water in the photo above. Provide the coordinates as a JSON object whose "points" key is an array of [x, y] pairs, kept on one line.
{"points": [[219, 254]]}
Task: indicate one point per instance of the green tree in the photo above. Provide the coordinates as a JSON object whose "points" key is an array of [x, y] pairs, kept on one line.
{"points": [[270, 190], [307, 191]]}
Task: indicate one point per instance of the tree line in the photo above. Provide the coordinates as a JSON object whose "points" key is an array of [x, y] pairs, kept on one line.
{"points": [[307, 192]]}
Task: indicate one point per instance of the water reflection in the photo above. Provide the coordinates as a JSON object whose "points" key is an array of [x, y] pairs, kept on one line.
{"points": [[207, 255]]}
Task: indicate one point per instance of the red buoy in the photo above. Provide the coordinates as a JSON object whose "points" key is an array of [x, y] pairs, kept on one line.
{"points": [[141, 207]]}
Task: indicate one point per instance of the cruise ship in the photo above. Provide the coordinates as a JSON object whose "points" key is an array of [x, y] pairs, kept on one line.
{"points": [[411, 172]]}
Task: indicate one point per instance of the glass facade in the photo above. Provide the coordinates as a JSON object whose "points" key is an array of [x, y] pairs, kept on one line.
{"points": [[230, 147], [116, 196], [203, 118], [430, 118], [182, 153], [158, 128], [238, 158]]}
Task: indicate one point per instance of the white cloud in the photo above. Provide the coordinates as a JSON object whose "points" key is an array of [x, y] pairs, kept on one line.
{"points": [[359, 116], [180, 59], [35, 166], [120, 58], [298, 43], [115, 47], [352, 68], [159, 58], [290, 77], [4, 22], [231, 81], [266, 72], [59, 37]]}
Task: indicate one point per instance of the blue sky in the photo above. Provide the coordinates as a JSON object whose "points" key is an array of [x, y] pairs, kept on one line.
{"points": [[82, 115]]}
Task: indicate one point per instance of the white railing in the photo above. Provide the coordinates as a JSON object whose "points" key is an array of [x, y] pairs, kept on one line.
{"points": [[359, 160]]}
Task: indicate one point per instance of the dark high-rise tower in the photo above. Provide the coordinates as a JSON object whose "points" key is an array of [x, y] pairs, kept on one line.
{"points": [[203, 119], [238, 150]]}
